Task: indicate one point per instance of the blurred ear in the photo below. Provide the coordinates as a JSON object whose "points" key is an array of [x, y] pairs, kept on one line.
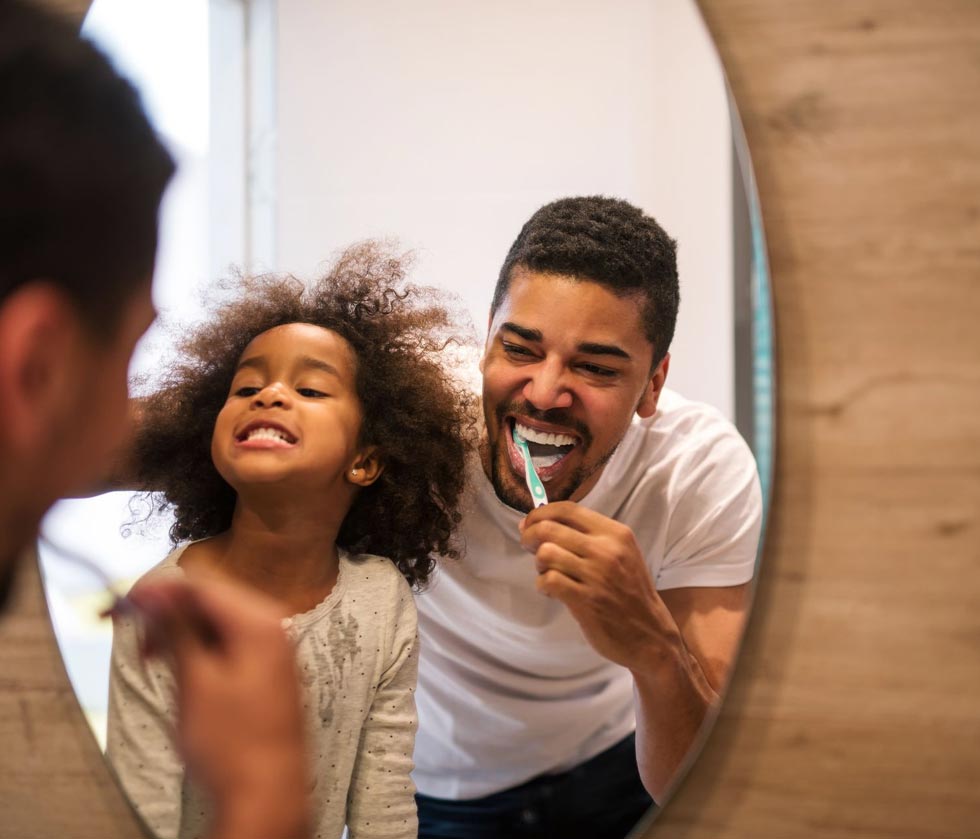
{"points": [[39, 353], [366, 468], [647, 405]]}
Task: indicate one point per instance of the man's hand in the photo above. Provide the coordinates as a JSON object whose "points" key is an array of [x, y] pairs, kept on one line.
{"points": [[679, 646], [240, 726], [593, 565]]}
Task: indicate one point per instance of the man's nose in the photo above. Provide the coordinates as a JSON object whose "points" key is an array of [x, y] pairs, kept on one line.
{"points": [[547, 387], [273, 395]]}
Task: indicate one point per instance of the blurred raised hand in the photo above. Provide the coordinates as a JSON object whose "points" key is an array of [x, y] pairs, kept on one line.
{"points": [[240, 725]]}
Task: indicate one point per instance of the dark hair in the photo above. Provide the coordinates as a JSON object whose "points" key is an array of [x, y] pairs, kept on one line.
{"points": [[81, 170], [606, 241], [422, 420]]}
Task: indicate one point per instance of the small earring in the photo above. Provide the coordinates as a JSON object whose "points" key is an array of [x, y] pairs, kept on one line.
{"points": [[354, 471]]}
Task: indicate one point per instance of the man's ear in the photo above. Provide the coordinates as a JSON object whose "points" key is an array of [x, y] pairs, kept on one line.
{"points": [[647, 405], [486, 344], [39, 350], [366, 468]]}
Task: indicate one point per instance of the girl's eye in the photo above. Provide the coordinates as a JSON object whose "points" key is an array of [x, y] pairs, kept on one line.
{"points": [[310, 393], [246, 391]]}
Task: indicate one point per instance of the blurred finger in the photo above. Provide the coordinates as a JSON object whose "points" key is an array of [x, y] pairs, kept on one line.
{"points": [[172, 616]]}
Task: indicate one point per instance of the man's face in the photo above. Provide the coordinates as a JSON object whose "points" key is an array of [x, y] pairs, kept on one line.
{"points": [[99, 424], [79, 421], [568, 364]]}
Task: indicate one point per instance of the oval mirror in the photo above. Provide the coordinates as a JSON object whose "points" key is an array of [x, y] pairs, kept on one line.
{"points": [[302, 127]]}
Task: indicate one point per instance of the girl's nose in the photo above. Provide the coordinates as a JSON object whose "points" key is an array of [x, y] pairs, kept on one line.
{"points": [[273, 395]]}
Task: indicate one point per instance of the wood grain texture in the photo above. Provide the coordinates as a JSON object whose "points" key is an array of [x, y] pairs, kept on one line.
{"points": [[53, 780], [854, 710], [854, 713]]}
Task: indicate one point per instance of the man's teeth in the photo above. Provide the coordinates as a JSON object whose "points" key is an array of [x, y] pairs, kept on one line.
{"points": [[267, 434], [545, 439]]}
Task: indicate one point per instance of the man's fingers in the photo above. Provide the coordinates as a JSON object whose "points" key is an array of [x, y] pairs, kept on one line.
{"points": [[549, 530], [206, 614], [554, 583], [571, 514], [553, 557], [173, 617]]}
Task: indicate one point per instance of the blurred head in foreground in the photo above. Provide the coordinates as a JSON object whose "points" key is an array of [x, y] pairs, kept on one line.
{"points": [[81, 177]]}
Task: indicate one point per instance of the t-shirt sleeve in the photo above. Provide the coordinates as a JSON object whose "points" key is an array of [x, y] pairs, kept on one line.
{"points": [[381, 801], [716, 516]]}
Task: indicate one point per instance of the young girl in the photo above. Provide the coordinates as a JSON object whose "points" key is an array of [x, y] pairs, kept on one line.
{"points": [[304, 436]]}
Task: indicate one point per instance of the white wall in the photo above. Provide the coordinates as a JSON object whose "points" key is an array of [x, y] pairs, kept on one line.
{"points": [[446, 124]]}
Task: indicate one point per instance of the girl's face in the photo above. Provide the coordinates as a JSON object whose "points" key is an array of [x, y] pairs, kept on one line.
{"points": [[292, 415]]}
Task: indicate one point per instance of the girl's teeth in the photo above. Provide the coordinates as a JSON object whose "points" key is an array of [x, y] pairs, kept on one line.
{"points": [[266, 434]]}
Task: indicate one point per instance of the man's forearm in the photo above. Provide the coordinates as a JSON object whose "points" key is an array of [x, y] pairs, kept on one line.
{"points": [[673, 697], [263, 818]]}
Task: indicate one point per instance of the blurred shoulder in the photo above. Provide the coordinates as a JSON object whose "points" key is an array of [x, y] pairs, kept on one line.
{"points": [[168, 568]]}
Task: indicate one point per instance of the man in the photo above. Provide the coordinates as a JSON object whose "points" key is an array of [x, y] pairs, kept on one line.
{"points": [[618, 604], [81, 177]]}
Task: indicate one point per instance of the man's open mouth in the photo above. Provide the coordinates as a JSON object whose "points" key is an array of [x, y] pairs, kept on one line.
{"points": [[548, 449]]}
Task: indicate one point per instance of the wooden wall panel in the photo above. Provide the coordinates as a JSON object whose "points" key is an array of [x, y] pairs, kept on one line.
{"points": [[54, 783], [854, 712]]}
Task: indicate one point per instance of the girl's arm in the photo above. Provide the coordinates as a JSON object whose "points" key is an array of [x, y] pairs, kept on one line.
{"points": [[381, 799]]}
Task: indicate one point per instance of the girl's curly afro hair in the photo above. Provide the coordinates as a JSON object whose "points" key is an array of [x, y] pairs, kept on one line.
{"points": [[422, 419]]}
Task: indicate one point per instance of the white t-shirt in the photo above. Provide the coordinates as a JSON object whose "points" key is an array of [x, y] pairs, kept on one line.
{"points": [[508, 686]]}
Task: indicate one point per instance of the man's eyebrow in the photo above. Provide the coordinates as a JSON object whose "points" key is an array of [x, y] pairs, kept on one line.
{"points": [[522, 331], [589, 347], [604, 349]]}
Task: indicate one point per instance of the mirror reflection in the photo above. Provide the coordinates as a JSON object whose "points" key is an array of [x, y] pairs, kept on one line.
{"points": [[568, 658]]}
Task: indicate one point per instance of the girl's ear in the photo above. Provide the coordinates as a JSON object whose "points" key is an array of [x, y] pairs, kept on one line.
{"points": [[366, 468]]}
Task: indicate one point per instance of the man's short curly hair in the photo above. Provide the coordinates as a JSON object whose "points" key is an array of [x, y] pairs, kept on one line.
{"points": [[418, 415], [606, 241]]}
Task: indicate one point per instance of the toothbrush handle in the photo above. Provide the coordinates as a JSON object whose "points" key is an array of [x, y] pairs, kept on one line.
{"points": [[538, 494]]}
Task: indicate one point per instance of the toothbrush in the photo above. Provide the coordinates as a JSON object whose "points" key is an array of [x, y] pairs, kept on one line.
{"points": [[121, 603], [154, 626], [538, 495]]}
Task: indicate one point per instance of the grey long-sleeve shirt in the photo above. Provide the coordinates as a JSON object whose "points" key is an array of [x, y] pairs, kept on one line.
{"points": [[357, 654]]}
